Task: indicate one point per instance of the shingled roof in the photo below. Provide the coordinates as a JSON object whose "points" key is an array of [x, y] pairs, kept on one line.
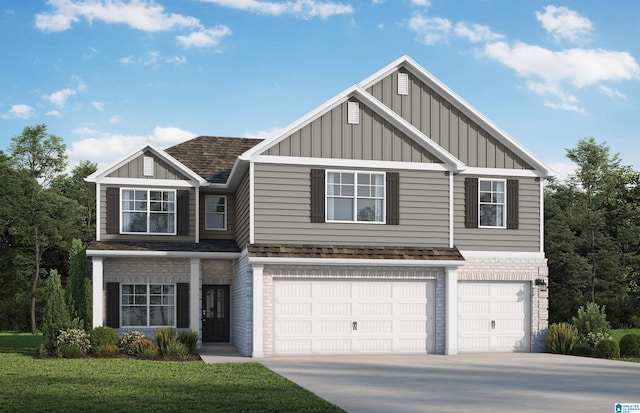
{"points": [[354, 252], [202, 246], [211, 157]]}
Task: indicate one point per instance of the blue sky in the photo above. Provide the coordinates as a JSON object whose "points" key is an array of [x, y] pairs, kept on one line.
{"points": [[108, 75]]}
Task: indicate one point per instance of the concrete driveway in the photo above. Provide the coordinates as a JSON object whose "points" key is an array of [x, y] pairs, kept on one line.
{"points": [[520, 382]]}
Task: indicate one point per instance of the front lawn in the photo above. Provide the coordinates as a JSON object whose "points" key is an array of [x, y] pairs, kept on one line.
{"points": [[621, 332], [28, 384]]}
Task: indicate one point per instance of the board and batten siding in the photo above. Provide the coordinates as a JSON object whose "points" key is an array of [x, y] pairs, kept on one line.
{"points": [[135, 168], [230, 232], [525, 238], [144, 237], [283, 201], [331, 136], [241, 205], [445, 124]]}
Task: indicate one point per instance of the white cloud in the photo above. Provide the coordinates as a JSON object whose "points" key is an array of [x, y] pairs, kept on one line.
{"points": [[563, 100], [421, 3], [430, 30], [204, 38], [105, 148], [152, 58], [60, 97], [54, 113], [139, 14], [261, 134], [115, 119], [565, 24], [19, 112], [563, 170], [305, 9], [98, 105], [476, 33], [612, 93]]}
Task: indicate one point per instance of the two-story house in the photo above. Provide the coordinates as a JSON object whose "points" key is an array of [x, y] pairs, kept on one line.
{"points": [[393, 218]]}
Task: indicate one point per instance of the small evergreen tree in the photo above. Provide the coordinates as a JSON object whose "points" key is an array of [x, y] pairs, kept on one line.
{"points": [[79, 271], [56, 316]]}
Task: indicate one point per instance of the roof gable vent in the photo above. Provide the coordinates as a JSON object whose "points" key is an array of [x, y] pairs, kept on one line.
{"points": [[147, 167], [403, 84], [353, 113]]}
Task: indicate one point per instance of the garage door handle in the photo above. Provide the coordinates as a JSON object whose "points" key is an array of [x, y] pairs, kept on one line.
{"points": [[493, 324], [354, 325]]}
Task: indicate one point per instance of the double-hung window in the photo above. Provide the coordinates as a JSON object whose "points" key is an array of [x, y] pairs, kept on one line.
{"points": [[355, 196], [145, 305], [216, 212], [148, 211], [492, 203]]}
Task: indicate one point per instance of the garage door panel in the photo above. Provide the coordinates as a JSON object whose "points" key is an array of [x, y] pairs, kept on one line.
{"points": [[331, 309], [380, 290], [299, 290], [412, 310], [334, 346], [418, 328], [376, 345], [371, 327], [293, 346], [294, 310], [332, 290], [334, 327], [375, 310], [294, 328]]}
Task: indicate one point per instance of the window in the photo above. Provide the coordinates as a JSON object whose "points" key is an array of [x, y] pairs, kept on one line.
{"points": [[148, 211], [355, 196], [216, 212], [492, 203], [145, 305]]}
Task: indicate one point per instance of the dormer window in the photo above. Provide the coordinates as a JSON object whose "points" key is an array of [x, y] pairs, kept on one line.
{"points": [[148, 211]]}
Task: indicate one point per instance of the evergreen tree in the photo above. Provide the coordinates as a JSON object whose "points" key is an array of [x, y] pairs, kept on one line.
{"points": [[56, 316], [79, 270]]}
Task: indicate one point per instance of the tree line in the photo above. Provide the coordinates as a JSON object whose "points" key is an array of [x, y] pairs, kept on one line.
{"points": [[592, 232]]}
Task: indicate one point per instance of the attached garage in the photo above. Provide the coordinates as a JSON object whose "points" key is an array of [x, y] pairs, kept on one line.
{"points": [[494, 316], [353, 316]]}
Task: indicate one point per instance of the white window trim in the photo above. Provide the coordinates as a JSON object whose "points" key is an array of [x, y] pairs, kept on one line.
{"points": [[355, 197], [175, 211], [175, 306], [504, 209], [206, 213]]}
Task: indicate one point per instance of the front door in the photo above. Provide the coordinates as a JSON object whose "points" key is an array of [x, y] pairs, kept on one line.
{"points": [[215, 313]]}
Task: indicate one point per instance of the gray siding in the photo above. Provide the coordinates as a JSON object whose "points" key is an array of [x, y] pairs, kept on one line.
{"points": [[445, 124], [242, 212], [525, 238], [282, 211], [134, 169], [230, 233], [129, 237], [373, 139]]}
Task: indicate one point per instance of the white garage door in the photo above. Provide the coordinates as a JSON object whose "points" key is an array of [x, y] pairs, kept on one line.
{"points": [[343, 317], [493, 316]]}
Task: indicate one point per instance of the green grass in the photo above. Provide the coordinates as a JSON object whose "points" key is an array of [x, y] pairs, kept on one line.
{"points": [[28, 384], [621, 332]]}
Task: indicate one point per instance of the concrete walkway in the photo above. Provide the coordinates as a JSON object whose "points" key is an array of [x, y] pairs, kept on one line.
{"points": [[467, 383]]}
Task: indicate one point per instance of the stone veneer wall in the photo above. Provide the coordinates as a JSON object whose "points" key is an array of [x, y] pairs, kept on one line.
{"points": [[513, 268], [242, 306]]}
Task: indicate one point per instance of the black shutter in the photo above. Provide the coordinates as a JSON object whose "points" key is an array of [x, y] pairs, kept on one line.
{"points": [[512, 203], [182, 303], [317, 195], [113, 210], [113, 305], [183, 212], [471, 202], [393, 198]]}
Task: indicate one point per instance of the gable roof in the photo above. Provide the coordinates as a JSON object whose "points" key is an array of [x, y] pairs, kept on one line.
{"points": [[212, 157]]}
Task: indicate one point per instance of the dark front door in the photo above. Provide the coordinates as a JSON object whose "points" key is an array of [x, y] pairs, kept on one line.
{"points": [[215, 313]]}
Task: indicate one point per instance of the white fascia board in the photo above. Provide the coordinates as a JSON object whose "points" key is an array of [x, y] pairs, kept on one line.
{"points": [[97, 175], [472, 112], [174, 183], [349, 163], [525, 173], [503, 254], [353, 261], [162, 254]]}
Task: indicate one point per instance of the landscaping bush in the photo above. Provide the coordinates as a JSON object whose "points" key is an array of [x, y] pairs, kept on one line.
{"points": [[630, 345], [105, 350], [607, 349], [189, 339], [582, 349], [561, 338], [72, 338], [128, 338], [72, 352], [56, 316], [176, 349], [163, 338], [593, 338], [592, 319], [103, 335], [144, 348]]}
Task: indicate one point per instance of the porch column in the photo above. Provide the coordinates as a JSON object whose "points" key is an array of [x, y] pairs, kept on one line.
{"points": [[194, 296], [258, 303], [98, 291], [451, 333]]}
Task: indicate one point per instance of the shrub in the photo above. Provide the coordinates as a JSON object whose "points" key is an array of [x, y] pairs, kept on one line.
{"points": [[593, 338], [73, 338], [72, 352], [561, 338], [630, 345], [106, 350], [176, 349], [103, 335], [56, 316], [163, 337], [144, 348], [607, 349], [128, 338], [189, 339], [591, 319], [582, 349]]}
